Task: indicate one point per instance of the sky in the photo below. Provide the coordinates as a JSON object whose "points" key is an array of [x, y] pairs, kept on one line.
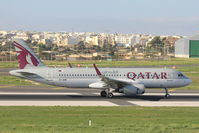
{"points": [[156, 17]]}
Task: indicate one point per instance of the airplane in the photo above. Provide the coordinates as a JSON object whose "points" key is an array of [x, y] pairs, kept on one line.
{"points": [[129, 81]]}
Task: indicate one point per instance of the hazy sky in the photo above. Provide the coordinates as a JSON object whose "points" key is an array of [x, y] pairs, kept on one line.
{"points": [[173, 17]]}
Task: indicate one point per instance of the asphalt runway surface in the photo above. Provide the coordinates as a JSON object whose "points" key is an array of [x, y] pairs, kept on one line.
{"points": [[59, 96]]}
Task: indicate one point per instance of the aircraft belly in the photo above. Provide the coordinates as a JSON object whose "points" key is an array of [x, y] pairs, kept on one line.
{"points": [[159, 83], [77, 83], [175, 83], [154, 83]]}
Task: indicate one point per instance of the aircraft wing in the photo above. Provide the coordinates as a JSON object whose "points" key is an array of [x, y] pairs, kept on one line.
{"points": [[115, 83]]}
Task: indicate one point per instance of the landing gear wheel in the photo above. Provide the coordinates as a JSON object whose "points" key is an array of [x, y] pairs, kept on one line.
{"points": [[110, 95], [103, 94], [167, 95]]}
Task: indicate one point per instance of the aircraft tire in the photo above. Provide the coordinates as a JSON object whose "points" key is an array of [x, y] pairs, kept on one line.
{"points": [[103, 93], [110, 95], [167, 95]]}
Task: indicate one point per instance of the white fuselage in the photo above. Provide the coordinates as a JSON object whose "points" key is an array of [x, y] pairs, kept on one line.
{"points": [[83, 77]]}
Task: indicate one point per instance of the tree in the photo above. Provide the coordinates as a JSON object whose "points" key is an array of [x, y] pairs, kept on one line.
{"points": [[28, 41], [40, 48], [96, 48], [108, 48], [157, 45], [80, 47], [156, 40]]}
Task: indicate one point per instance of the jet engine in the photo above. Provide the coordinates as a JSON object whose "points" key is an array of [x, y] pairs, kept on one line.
{"points": [[133, 89], [98, 85]]}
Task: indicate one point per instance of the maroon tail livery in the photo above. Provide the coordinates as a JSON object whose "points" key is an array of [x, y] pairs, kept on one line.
{"points": [[26, 57]]}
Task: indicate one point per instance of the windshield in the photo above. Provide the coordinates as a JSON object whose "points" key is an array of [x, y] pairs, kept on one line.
{"points": [[180, 75]]}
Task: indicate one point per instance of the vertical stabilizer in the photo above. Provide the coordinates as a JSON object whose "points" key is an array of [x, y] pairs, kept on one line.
{"points": [[26, 57]]}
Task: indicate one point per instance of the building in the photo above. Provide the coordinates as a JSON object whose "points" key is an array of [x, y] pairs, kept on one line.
{"points": [[21, 35], [123, 39], [92, 40], [187, 47], [2, 32], [72, 40], [63, 42]]}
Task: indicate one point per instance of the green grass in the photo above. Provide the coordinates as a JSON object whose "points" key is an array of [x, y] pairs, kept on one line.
{"points": [[104, 119], [7, 64], [189, 69], [173, 61], [11, 80]]}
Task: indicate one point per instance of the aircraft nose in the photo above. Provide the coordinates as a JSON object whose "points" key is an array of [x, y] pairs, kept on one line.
{"points": [[188, 81]]}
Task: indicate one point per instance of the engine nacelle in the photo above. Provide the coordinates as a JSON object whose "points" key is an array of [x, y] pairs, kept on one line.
{"points": [[98, 85], [134, 89]]}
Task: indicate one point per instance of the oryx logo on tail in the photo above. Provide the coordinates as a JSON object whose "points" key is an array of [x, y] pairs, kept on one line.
{"points": [[25, 56]]}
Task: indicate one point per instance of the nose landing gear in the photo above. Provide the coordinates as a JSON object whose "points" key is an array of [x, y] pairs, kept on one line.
{"points": [[167, 92]]}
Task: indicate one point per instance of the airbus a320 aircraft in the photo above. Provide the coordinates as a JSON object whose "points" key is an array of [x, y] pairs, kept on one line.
{"points": [[130, 81]]}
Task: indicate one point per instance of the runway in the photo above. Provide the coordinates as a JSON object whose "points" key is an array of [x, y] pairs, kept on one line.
{"points": [[58, 96]]}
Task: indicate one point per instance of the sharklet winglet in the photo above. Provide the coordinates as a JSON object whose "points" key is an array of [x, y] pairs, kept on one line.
{"points": [[98, 71], [70, 65]]}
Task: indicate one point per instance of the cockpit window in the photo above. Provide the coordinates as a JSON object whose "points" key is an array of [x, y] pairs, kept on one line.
{"points": [[180, 75]]}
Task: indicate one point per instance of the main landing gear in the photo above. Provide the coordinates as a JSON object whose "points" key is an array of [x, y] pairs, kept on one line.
{"points": [[103, 94], [106, 93], [167, 93]]}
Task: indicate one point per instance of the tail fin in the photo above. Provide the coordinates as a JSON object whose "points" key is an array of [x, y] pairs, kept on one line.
{"points": [[26, 57]]}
